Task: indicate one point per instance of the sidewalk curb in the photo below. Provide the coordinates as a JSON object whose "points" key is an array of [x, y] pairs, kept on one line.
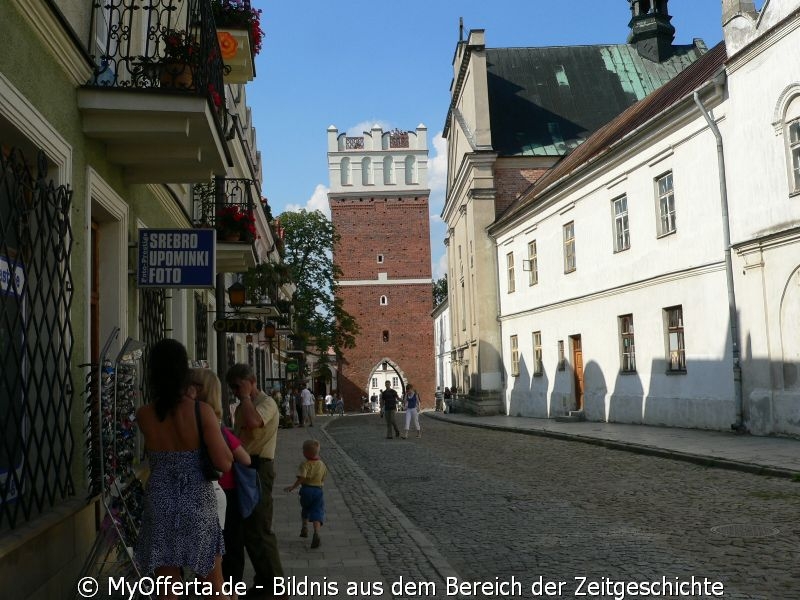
{"points": [[698, 459], [439, 563]]}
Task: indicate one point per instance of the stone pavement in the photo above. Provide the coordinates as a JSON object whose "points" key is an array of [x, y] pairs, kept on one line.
{"points": [[767, 455]]}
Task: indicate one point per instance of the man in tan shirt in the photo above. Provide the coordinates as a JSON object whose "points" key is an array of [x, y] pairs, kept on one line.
{"points": [[256, 425]]}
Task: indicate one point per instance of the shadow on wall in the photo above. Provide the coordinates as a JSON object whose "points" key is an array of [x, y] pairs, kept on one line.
{"points": [[528, 393]]}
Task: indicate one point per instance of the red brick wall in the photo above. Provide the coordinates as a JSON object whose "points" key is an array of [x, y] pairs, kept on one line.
{"points": [[510, 183], [397, 228]]}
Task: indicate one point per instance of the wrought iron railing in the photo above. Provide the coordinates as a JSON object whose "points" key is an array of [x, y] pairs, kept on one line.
{"points": [[227, 205], [354, 143], [36, 387], [398, 139], [170, 45]]}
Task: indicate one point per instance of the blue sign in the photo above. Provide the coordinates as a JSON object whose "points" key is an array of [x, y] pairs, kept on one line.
{"points": [[177, 258]]}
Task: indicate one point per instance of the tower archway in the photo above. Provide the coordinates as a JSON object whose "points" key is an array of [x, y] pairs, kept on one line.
{"points": [[386, 370]]}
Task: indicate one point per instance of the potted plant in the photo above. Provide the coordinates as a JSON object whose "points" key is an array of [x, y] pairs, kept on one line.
{"points": [[240, 36], [181, 58], [235, 223]]}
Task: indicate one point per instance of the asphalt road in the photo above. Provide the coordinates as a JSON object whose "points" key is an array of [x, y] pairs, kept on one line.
{"points": [[506, 507]]}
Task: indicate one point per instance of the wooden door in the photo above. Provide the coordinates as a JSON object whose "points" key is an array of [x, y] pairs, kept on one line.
{"points": [[577, 361]]}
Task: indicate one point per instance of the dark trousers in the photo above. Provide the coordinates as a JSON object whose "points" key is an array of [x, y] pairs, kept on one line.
{"points": [[255, 534], [233, 559], [389, 416]]}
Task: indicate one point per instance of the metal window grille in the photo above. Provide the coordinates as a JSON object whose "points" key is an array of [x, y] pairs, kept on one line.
{"points": [[398, 139], [36, 387], [622, 240], [569, 247], [666, 204], [627, 343], [354, 143], [675, 341], [152, 324], [200, 328]]}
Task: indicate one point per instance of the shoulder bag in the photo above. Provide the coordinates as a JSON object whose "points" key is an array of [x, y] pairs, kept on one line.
{"points": [[248, 488]]}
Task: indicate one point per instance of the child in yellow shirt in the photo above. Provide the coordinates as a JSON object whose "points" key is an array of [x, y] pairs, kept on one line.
{"points": [[310, 477]]}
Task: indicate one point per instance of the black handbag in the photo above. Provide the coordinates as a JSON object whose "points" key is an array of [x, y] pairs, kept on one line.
{"points": [[210, 472]]}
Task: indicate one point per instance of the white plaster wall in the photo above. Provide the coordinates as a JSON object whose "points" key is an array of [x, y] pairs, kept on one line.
{"points": [[685, 268]]}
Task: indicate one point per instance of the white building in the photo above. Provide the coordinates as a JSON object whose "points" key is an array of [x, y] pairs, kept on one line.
{"points": [[617, 296], [442, 345]]}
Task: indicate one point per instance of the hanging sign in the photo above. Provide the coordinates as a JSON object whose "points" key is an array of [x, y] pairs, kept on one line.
{"points": [[177, 258], [238, 325]]}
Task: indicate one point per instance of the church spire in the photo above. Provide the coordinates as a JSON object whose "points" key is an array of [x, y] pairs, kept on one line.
{"points": [[651, 30]]}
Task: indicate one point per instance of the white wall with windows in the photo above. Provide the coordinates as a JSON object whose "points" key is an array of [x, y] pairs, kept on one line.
{"points": [[762, 152], [624, 263]]}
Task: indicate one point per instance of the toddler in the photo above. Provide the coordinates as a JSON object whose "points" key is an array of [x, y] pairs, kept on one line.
{"points": [[310, 477]]}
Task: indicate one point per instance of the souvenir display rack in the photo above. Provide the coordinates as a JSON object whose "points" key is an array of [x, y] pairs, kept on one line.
{"points": [[114, 448]]}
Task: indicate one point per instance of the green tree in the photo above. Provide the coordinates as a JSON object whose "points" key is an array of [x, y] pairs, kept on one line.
{"points": [[440, 290], [309, 238]]}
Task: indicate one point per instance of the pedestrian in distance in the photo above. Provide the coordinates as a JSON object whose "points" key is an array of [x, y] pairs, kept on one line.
{"points": [[439, 397], [340, 404], [256, 425], [412, 410], [307, 400], [180, 527], [209, 390], [311, 477], [330, 403], [389, 402]]}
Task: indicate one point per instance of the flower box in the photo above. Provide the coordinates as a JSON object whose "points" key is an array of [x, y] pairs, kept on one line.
{"points": [[237, 54]]}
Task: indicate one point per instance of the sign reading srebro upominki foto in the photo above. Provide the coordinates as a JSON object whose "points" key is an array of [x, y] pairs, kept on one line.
{"points": [[177, 258]]}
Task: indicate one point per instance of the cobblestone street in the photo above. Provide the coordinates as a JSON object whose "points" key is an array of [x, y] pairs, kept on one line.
{"points": [[484, 504]]}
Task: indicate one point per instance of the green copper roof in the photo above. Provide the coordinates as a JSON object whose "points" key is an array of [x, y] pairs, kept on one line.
{"points": [[546, 101]]}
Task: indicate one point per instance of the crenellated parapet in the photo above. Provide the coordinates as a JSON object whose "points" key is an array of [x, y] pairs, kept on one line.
{"points": [[378, 161]]}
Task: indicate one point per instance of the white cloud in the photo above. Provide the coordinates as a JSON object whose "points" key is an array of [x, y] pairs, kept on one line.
{"points": [[358, 129], [317, 201]]}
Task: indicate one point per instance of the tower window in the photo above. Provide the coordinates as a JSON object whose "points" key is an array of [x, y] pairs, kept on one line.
{"points": [[380, 259], [385, 336], [384, 301]]}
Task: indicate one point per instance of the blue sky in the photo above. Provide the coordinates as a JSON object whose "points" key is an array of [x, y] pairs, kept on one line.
{"points": [[352, 63]]}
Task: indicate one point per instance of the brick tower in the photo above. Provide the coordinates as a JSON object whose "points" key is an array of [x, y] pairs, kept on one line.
{"points": [[379, 207]]}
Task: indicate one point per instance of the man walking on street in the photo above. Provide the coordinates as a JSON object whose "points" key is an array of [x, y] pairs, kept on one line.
{"points": [[256, 425], [389, 400], [308, 407]]}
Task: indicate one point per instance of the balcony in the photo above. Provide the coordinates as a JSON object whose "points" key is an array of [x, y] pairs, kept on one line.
{"points": [[228, 205], [156, 97]]}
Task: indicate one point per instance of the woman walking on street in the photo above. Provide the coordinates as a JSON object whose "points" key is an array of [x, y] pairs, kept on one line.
{"points": [[180, 527], [412, 410]]}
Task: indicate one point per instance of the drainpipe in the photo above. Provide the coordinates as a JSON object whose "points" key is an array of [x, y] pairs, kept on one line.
{"points": [[726, 240]]}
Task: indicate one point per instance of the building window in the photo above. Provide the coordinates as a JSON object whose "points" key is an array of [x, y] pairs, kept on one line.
{"points": [[562, 360], [676, 358], [380, 259], [569, 247], [510, 271], [385, 336], [374, 382], [463, 308], [514, 356], [394, 382], [622, 238], [627, 346], [384, 301], [532, 266], [538, 367], [666, 204], [794, 149]]}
